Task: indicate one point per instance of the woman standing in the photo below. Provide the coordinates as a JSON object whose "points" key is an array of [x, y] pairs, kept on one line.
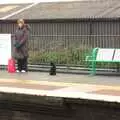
{"points": [[21, 48]]}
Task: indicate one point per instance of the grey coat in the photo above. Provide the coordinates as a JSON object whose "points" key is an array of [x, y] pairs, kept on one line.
{"points": [[21, 37]]}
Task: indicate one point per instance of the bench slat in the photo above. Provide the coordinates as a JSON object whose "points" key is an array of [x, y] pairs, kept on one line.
{"points": [[117, 55], [105, 54]]}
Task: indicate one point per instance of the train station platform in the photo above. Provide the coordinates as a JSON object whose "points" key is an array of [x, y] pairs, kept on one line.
{"points": [[63, 90], [99, 85]]}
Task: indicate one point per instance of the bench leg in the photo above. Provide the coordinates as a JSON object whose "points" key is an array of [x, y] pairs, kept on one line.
{"points": [[118, 65], [93, 71]]}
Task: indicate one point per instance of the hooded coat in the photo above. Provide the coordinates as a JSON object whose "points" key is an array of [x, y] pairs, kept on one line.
{"points": [[21, 38]]}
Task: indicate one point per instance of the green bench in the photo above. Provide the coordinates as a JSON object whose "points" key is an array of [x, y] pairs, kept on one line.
{"points": [[103, 55]]}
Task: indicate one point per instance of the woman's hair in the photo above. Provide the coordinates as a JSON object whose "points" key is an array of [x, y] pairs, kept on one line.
{"points": [[20, 21]]}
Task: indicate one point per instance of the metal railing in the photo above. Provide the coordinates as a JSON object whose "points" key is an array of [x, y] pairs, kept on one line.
{"points": [[67, 42], [69, 50]]}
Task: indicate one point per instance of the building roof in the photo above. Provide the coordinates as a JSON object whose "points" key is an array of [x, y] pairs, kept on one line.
{"points": [[68, 10], [7, 9]]}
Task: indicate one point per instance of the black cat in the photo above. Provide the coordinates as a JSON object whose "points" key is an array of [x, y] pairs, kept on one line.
{"points": [[52, 69]]}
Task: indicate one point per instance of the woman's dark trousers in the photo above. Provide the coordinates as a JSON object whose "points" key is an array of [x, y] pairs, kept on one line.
{"points": [[22, 64]]}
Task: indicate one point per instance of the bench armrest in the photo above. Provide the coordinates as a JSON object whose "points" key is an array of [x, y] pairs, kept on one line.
{"points": [[88, 58]]}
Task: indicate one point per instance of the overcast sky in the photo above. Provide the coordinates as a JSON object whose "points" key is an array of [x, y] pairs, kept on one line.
{"points": [[30, 1]]}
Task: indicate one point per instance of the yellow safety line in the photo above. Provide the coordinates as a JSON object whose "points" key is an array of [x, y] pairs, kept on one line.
{"points": [[117, 87], [74, 84]]}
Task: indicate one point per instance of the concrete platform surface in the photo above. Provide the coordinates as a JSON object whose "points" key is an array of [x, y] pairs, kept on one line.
{"points": [[105, 88]]}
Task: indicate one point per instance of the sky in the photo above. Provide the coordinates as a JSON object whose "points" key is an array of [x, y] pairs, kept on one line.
{"points": [[31, 1]]}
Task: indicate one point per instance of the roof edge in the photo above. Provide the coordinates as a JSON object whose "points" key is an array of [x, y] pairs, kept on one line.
{"points": [[19, 11]]}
